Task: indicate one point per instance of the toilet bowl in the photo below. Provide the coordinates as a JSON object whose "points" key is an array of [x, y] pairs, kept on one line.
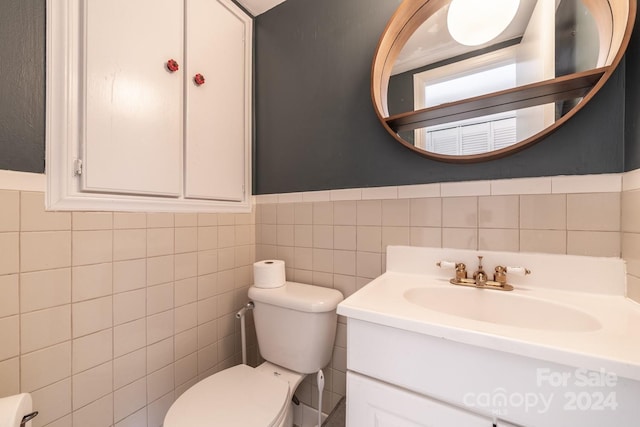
{"points": [[238, 396], [295, 326]]}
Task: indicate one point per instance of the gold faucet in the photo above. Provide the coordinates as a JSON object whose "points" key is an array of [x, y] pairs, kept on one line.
{"points": [[479, 276], [480, 279]]}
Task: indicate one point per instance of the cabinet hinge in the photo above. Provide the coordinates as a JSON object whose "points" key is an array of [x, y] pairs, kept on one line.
{"points": [[77, 167]]}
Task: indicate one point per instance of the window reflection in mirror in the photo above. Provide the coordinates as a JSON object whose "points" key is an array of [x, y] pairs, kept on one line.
{"points": [[547, 39], [473, 136]]}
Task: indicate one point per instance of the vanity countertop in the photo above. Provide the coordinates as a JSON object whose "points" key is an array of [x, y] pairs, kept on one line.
{"points": [[612, 345]]}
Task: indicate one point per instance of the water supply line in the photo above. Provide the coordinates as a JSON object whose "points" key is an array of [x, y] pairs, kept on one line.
{"points": [[240, 315], [28, 418], [320, 390]]}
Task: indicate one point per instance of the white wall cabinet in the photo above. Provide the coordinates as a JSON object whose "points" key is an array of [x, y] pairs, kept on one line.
{"points": [[215, 114], [128, 131], [132, 140]]}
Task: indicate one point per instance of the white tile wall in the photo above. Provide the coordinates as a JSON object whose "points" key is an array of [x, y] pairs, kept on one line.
{"points": [[108, 317], [630, 224], [99, 311], [339, 241]]}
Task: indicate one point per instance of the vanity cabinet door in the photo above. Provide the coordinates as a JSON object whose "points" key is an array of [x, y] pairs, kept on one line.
{"points": [[131, 131], [373, 403], [217, 103]]}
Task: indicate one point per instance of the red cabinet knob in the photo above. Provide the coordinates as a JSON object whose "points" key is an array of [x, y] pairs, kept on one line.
{"points": [[198, 79], [172, 65]]}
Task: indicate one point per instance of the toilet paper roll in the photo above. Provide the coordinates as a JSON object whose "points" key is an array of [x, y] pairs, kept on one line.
{"points": [[14, 408], [268, 273]]}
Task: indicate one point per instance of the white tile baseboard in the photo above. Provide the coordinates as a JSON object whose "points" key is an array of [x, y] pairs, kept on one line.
{"points": [[575, 184]]}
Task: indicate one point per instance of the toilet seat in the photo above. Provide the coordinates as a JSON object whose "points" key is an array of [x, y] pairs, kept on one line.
{"points": [[222, 400]]}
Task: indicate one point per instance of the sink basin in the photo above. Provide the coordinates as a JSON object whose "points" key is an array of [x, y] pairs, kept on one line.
{"points": [[503, 308]]}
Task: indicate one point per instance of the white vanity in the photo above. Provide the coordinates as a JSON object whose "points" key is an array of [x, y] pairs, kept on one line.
{"points": [[562, 349]]}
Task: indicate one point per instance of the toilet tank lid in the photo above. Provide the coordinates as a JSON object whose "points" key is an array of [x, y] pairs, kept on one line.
{"points": [[298, 296]]}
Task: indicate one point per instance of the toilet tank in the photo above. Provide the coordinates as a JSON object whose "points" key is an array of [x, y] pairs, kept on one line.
{"points": [[296, 325]]}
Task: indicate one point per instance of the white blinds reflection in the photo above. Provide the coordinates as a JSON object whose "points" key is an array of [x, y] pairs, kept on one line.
{"points": [[468, 138]]}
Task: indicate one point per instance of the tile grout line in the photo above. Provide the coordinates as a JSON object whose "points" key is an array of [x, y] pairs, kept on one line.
{"points": [[113, 385], [20, 291]]}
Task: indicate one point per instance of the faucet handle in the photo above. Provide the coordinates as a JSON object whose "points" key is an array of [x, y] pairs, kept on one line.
{"points": [[518, 270], [447, 264], [500, 274], [461, 269]]}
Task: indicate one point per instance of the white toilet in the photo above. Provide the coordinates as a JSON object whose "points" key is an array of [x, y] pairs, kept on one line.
{"points": [[296, 328]]}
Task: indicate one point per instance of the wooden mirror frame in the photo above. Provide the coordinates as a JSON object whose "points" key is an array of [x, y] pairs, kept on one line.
{"points": [[412, 13]]}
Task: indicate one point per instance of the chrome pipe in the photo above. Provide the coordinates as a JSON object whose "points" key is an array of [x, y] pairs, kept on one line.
{"points": [[243, 334]]}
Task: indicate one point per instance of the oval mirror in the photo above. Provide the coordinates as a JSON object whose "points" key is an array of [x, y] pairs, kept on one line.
{"points": [[469, 80]]}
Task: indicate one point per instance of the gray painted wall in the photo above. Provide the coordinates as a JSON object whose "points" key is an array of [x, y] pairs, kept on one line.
{"points": [[316, 128], [632, 98], [22, 120]]}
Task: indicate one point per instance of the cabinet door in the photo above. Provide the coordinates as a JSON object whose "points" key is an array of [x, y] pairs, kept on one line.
{"points": [[132, 124], [217, 111], [373, 403]]}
